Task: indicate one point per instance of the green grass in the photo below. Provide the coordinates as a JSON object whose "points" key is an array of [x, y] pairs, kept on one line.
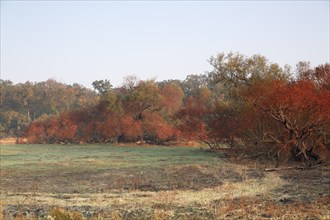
{"points": [[154, 182], [40, 159]]}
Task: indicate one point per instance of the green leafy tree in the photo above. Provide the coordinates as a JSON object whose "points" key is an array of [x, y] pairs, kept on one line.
{"points": [[102, 86]]}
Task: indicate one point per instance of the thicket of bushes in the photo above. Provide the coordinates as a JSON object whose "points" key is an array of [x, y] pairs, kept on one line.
{"points": [[246, 104]]}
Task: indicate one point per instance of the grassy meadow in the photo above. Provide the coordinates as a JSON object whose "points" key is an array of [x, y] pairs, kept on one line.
{"points": [[152, 182]]}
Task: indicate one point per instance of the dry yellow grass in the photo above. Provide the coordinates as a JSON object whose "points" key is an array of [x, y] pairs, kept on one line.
{"points": [[158, 186], [8, 140], [248, 188], [246, 200], [1, 210]]}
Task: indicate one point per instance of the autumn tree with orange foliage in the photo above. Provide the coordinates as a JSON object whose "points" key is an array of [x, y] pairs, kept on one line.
{"points": [[52, 130], [246, 105], [301, 117], [279, 112], [194, 117]]}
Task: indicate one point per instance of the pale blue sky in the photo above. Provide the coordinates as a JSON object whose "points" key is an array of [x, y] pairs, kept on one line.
{"points": [[83, 41]]}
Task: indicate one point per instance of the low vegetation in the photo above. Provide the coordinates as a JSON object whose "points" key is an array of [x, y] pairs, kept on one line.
{"points": [[120, 182]]}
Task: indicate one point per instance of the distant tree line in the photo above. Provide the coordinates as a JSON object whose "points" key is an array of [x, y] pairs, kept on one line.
{"points": [[246, 105], [23, 103]]}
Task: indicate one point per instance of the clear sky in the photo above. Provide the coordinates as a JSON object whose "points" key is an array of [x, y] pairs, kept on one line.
{"points": [[83, 41]]}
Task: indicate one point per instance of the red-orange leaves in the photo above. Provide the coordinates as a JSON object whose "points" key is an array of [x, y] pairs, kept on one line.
{"points": [[301, 109], [192, 120], [52, 130], [66, 129], [300, 102], [131, 128], [36, 133], [156, 127]]}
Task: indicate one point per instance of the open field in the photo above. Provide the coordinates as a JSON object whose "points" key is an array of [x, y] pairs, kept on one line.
{"points": [[134, 182]]}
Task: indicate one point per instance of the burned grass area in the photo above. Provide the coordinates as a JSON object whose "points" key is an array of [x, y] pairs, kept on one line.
{"points": [[109, 182]]}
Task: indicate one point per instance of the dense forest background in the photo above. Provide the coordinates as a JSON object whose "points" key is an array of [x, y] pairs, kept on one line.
{"points": [[245, 104], [24, 103]]}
